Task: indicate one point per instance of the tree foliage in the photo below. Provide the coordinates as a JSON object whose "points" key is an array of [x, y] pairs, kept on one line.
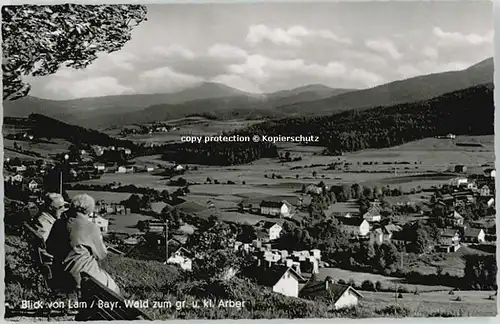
{"points": [[38, 40]]}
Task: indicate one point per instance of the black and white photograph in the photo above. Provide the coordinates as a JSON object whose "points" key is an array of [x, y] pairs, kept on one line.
{"points": [[248, 160]]}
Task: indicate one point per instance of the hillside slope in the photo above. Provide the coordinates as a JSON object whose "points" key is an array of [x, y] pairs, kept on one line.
{"points": [[403, 91], [464, 112]]}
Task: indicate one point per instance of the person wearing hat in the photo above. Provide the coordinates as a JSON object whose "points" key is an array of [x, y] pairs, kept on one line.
{"points": [[77, 243], [53, 208]]}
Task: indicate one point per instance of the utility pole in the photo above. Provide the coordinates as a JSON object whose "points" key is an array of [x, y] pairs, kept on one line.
{"points": [[401, 260], [166, 240], [66, 157]]}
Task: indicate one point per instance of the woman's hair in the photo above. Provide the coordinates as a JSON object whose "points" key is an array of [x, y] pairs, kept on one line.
{"points": [[83, 204]]}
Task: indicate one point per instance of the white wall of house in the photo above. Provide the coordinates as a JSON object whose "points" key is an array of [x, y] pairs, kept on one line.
{"points": [[275, 232], [285, 211], [364, 228], [270, 211], [348, 299], [288, 285], [481, 236]]}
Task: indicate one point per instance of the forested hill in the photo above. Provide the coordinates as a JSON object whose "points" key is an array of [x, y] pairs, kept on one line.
{"points": [[45, 127], [469, 111]]}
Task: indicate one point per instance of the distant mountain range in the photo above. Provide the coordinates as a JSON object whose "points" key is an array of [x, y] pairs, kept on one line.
{"points": [[225, 102]]}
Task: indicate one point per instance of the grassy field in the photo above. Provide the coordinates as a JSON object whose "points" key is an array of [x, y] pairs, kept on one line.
{"points": [[387, 282], [473, 303]]}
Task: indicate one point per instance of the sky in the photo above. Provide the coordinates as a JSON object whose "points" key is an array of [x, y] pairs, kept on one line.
{"points": [[267, 47]]}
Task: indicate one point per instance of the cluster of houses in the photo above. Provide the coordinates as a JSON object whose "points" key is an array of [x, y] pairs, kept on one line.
{"points": [[97, 150], [155, 128], [286, 273]]}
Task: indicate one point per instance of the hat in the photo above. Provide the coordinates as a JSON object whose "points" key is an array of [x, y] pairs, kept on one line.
{"points": [[55, 201]]}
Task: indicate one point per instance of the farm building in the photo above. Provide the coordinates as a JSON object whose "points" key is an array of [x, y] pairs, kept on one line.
{"points": [[373, 215], [16, 178], [451, 136], [340, 296], [447, 248], [275, 208], [457, 182], [101, 222], [460, 168], [281, 279], [474, 235], [183, 258], [272, 230], [455, 219], [100, 166], [33, 185], [450, 237], [485, 191], [355, 226]]}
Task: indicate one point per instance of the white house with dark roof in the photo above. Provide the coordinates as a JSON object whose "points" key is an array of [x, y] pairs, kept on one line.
{"points": [[275, 208], [272, 230], [183, 258], [373, 214], [355, 226], [474, 235], [339, 296], [280, 279]]}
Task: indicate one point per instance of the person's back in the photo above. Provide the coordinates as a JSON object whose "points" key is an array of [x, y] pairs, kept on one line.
{"points": [[77, 244], [86, 246]]}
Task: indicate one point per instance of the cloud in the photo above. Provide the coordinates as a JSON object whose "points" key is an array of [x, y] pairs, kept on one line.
{"points": [[173, 51], [384, 46], [62, 88], [226, 51], [290, 36], [166, 79], [266, 73], [456, 38], [430, 52]]}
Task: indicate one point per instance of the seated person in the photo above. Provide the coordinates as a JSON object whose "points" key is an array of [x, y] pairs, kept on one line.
{"points": [[77, 243], [54, 206]]}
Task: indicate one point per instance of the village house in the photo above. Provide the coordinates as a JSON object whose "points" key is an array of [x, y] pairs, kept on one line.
{"points": [[274, 208], [485, 191], [281, 279], [20, 168], [127, 151], [17, 178], [100, 221], [450, 136], [271, 229], [450, 237], [455, 219], [474, 235], [372, 215], [384, 233], [183, 258], [178, 167], [100, 166], [121, 169], [340, 296], [472, 185], [150, 169], [460, 168], [460, 181], [33, 185], [490, 202], [313, 189], [355, 226]]}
